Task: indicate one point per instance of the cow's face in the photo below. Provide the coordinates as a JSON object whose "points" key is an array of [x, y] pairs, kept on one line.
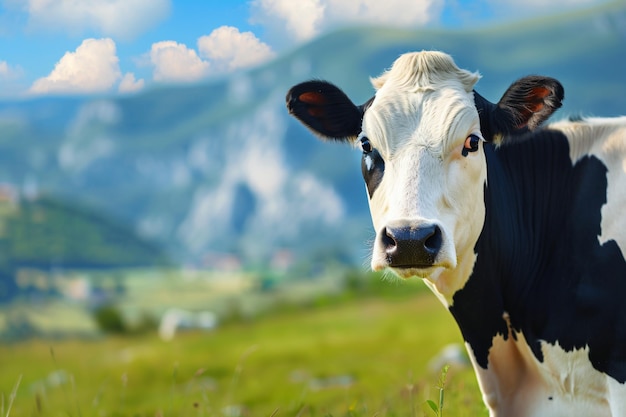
{"points": [[423, 165], [423, 162]]}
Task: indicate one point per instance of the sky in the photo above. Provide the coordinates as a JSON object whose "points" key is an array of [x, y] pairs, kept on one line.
{"points": [[61, 47]]}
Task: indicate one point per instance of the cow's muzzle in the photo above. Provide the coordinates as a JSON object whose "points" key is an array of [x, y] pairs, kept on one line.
{"points": [[413, 245]]}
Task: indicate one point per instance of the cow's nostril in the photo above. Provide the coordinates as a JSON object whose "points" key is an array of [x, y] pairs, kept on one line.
{"points": [[388, 240], [434, 241]]}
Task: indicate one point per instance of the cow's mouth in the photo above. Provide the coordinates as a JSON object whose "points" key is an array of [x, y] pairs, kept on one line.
{"points": [[415, 271]]}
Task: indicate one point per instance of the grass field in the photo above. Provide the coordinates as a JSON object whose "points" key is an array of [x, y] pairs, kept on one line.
{"points": [[364, 357]]}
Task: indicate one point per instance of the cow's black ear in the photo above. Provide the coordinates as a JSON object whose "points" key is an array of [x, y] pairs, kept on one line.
{"points": [[525, 105], [532, 100], [325, 110]]}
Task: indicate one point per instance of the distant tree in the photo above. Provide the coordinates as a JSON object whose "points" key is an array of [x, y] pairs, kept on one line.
{"points": [[109, 319]]}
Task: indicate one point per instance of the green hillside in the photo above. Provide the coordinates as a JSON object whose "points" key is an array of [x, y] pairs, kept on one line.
{"points": [[47, 234]]}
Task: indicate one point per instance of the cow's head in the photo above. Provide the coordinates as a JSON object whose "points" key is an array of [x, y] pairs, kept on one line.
{"points": [[423, 162]]}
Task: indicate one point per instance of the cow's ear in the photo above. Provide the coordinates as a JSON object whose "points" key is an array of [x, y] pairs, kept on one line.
{"points": [[325, 110], [532, 100], [525, 105]]}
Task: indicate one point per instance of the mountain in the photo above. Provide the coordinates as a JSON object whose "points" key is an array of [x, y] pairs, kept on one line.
{"points": [[221, 168]]}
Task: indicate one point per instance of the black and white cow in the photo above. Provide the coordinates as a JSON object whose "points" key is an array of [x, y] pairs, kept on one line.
{"points": [[519, 230]]}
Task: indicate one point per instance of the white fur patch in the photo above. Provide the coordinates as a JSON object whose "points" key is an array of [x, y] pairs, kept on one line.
{"points": [[369, 162], [565, 384], [604, 138]]}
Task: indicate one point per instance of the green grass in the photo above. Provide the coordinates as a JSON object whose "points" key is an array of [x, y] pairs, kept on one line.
{"points": [[364, 357]]}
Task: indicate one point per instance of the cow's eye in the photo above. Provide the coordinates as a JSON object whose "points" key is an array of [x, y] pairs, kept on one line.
{"points": [[366, 146], [470, 145]]}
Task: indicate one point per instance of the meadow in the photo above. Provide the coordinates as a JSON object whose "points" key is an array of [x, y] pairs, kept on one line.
{"points": [[339, 356]]}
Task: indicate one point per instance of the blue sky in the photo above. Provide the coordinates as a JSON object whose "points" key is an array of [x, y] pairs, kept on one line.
{"points": [[124, 46]]}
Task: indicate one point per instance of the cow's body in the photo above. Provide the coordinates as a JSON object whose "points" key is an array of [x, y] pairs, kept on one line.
{"points": [[544, 312], [523, 239]]}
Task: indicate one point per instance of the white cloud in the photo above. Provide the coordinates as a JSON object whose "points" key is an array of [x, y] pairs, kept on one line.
{"points": [[119, 18], [294, 18], [93, 67], [4, 69], [129, 84], [223, 50], [173, 61], [11, 79], [307, 18], [8, 72], [228, 49]]}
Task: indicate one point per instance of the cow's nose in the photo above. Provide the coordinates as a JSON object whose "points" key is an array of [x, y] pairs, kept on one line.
{"points": [[411, 245]]}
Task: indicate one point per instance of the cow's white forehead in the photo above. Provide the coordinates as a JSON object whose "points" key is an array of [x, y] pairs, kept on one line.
{"points": [[421, 85]]}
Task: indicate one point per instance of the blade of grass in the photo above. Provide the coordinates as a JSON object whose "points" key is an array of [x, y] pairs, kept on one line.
{"points": [[12, 396], [238, 372]]}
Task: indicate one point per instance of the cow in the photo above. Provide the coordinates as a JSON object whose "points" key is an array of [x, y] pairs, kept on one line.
{"points": [[517, 227]]}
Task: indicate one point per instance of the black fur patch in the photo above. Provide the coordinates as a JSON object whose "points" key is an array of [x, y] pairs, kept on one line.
{"points": [[374, 174], [539, 258]]}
